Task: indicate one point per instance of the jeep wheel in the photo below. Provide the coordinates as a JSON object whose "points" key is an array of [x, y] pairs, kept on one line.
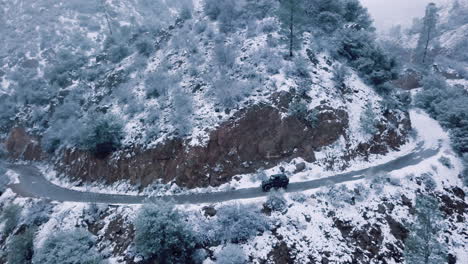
{"points": [[267, 187]]}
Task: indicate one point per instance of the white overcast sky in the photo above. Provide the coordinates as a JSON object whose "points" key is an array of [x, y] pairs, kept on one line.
{"points": [[391, 12]]}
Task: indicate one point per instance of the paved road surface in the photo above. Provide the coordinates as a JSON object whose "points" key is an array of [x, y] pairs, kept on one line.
{"points": [[33, 184]]}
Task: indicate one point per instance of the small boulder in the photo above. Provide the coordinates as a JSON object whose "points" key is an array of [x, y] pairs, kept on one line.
{"points": [[300, 167], [209, 211]]}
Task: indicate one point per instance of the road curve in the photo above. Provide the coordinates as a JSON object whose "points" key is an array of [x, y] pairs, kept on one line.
{"points": [[33, 184]]}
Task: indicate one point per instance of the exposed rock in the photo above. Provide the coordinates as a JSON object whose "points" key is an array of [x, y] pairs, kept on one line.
{"points": [[393, 133], [259, 136], [209, 211], [410, 79], [120, 233], [281, 254], [300, 167], [453, 206], [20, 145], [397, 229]]}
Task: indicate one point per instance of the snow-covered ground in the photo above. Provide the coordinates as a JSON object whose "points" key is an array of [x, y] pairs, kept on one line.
{"points": [[308, 226]]}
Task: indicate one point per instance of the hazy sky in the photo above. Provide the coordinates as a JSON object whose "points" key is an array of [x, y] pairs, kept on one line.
{"points": [[390, 12]]}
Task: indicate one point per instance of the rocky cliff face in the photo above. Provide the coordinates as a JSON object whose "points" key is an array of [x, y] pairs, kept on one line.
{"points": [[260, 136], [21, 145]]}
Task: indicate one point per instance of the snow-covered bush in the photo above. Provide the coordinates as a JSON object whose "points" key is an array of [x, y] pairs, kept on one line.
{"points": [[117, 53], [368, 120], [276, 202], [447, 104], [229, 92], [423, 244], [237, 223], [298, 108], [212, 8], [20, 247], [182, 112], [8, 109], [68, 247], [225, 11], [446, 162], [338, 195], [340, 73], [161, 233], [231, 254], [465, 170], [225, 56], [3, 180], [10, 218], [299, 197], [101, 134], [259, 176], [159, 83], [229, 16], [364, 55], [199, 256], [145, 46], [361, 192], [38, 213]]}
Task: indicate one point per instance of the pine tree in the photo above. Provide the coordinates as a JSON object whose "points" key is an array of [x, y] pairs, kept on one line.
{"points": [[162, 235], [292, 15], [368, 120], [427, 33], [423, 245]]}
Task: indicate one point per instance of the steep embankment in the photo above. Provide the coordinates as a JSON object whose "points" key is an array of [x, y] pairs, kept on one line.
{"points": [[190, 98]]}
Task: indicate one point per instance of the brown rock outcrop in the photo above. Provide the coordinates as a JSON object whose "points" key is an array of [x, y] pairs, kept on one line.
{"points": [[256, 137], [20, 145]]}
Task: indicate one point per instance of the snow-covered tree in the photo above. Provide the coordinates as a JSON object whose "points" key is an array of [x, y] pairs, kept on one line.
{"points": [[276, 201], [10, 218], [231, 254], [181, 115], [291, 13], [162, 234], [427, 34], [369, 120], [424, 244], [101, 134], [68, 247], [238, 223], [20, 247]]}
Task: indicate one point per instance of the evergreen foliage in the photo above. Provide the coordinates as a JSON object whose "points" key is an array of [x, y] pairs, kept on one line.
{"points": [[447, 104], [359, 48], [101, 134], [161, 234], [237, 223], [298, 108], [369, 120], [20, 248], [276, 202], [231, 254], [428, 32], [182, 112], [10, 217], [292, 14], [68, 247], [423, 244], [159, 83]]}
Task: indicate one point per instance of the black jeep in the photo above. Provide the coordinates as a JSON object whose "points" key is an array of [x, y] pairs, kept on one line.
{"points": [[275, 181]]}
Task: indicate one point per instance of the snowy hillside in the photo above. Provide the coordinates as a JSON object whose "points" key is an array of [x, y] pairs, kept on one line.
{"points": [[150, 131]]}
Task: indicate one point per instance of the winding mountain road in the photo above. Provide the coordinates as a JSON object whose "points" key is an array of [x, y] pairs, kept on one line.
{"points": [[33, 184]]}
